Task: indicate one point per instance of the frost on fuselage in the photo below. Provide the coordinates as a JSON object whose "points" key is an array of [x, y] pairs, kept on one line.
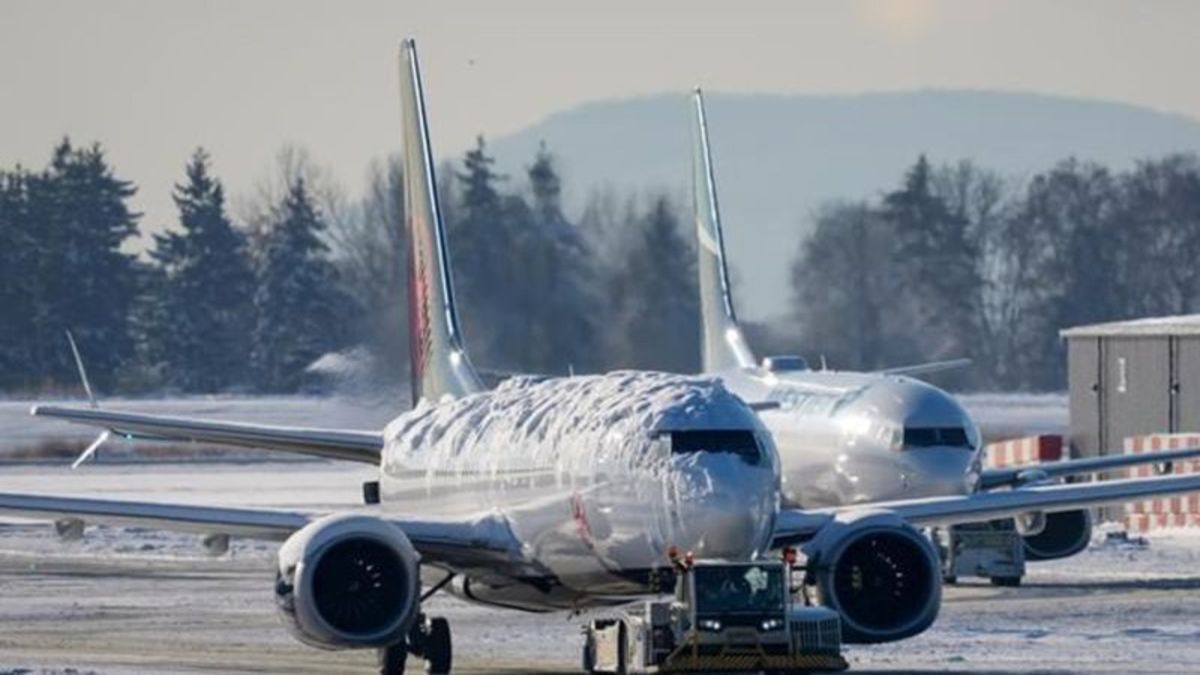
{"points": [[596, 473], [582, 425]]}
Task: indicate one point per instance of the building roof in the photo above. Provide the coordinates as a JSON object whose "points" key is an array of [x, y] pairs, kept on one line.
{"points": [[1184, 324]]}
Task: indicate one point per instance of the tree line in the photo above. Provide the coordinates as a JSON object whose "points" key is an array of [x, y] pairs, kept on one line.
{"points": [[306, 280], [960, 261], [302, 283]]}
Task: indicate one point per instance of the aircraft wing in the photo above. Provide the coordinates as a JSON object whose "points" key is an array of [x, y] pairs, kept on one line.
{"points": [[994, 478], [797, 525], [453, 543], [355, 446], [925, 368]]}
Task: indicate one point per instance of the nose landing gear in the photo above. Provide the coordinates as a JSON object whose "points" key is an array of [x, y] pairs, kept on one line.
{"points": [[428, 639]]}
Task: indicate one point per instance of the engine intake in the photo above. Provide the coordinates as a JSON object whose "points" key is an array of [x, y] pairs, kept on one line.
{"points": [[348, 581], [879, 573]]}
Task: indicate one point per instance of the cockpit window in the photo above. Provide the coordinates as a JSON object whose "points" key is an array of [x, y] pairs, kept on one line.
{"points": [[928, 437], [739, 442]]}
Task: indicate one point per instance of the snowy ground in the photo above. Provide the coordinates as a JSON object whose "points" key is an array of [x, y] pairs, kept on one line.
{"points": [[138, 601]]}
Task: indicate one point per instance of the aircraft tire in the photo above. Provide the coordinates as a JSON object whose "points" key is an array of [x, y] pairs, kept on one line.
{"points": [[438, 652], [392, 659], [622, 648], [589, 654]]}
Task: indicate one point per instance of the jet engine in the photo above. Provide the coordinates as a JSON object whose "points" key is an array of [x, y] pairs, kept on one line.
{"points": [[880, 574], [347, 581], [1062, 535]]}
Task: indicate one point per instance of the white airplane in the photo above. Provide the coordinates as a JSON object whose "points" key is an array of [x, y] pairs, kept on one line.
{"points": [[849, 437], [549, 495]]}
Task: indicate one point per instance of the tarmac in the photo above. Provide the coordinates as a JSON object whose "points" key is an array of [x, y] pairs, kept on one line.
{"points": [[131, 600], [69, 614]]}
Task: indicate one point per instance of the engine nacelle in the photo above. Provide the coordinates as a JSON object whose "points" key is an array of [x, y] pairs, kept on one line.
{"points": [[882, 576], [1062, 535], [347, 581], [1030, 524]]}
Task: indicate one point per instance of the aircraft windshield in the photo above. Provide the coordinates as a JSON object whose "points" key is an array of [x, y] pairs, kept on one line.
{"points": [[927, 437], [739, 589], [738, 442]]}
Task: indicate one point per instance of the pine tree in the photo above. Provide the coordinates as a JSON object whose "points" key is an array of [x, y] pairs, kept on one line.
{"points": [[81, 279], [843, 289], [207, 283], [937, 262], [480, 200], [556, 280], [655, 316], [1068, 213], [371, 247], [17, 249], [299, 306], [480, 234], [546, 186]]}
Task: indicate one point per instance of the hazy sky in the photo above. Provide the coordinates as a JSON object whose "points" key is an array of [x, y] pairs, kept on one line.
{"points": [[152, 80]]}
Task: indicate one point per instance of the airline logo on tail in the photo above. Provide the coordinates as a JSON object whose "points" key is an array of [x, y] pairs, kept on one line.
{"points": [[420, 332]]}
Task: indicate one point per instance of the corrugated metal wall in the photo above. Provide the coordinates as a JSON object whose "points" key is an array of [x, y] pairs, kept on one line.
{"points": [[1187, 383], [1083, 383], [1131, 386], [1128, 386], [1136, 384]]}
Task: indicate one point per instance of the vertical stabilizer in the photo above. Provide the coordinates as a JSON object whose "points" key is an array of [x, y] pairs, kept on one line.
{"points": [[721, 341], [440, 366]]}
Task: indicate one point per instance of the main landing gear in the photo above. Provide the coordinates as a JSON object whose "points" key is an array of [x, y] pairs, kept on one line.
{"points": [[429, 639]]}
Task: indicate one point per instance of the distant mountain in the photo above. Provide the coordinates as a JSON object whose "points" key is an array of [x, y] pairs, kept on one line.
{"points": [[777, 157]]}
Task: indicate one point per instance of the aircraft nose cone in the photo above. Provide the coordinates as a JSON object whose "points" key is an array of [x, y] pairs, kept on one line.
{"points": [[725, 507], [733, 535], [928, 472]]}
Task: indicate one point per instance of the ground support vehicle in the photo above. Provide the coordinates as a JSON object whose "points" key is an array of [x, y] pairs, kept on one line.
{"points": [[993, 550], [724, 617]]}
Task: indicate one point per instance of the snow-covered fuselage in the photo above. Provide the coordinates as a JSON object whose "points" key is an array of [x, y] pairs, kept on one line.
{"points": [[597, 477], [851, 438]]}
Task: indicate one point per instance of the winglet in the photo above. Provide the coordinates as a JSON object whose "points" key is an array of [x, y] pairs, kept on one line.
{"points": [[440, 366], [90, 452], [87, 386], [722, 343]]}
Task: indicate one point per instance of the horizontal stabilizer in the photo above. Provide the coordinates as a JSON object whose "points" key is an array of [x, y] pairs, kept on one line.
{"points": [[926, 368]]}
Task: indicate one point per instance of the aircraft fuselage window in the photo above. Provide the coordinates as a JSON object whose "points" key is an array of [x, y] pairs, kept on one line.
{"points": [[739, 442]]}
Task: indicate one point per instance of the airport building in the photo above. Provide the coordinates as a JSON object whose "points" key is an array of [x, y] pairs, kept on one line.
{"points": [[1132, 378]]}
